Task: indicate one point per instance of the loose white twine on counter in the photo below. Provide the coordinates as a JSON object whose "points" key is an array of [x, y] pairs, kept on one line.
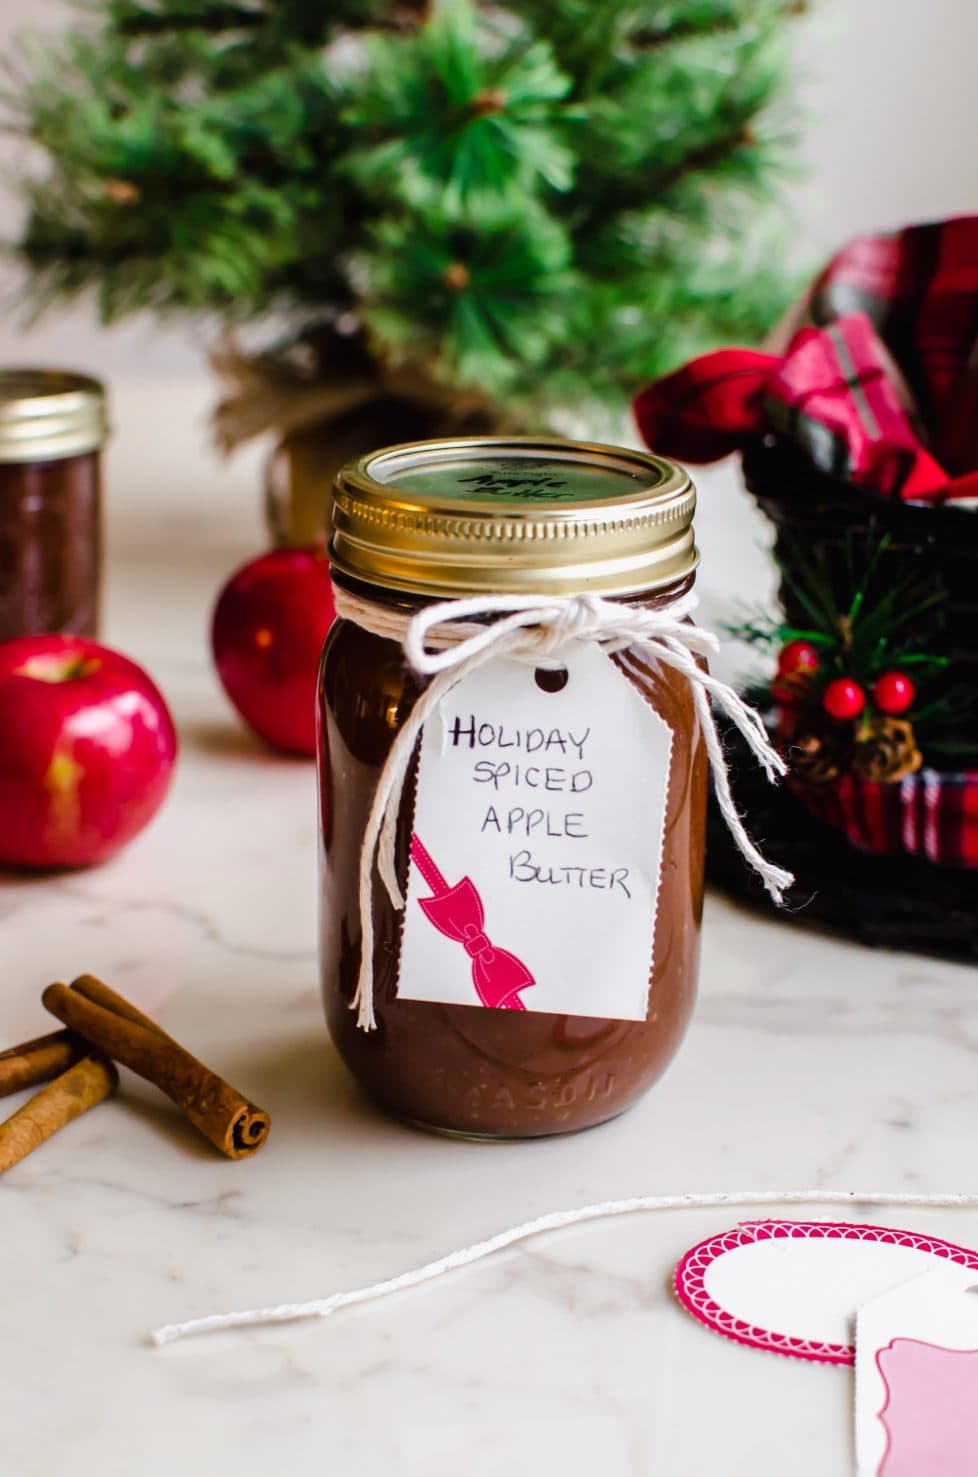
{"points": [[449, 640], [555, 1221]]}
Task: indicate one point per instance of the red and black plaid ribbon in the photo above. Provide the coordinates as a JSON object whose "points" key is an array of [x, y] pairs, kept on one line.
{"points": [[879, 386], [928, 814]]}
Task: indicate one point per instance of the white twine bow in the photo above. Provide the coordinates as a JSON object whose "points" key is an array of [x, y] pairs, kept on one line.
{"points": [[449, 640]]}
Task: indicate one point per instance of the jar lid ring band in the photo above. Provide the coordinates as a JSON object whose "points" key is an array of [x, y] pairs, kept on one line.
{"points": [[508, 515]]}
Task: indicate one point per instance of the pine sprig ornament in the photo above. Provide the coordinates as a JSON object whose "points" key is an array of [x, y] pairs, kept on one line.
{"points": [[869, 687], [544, 203]]}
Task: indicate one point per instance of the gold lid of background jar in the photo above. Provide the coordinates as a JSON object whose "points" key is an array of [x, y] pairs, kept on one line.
{"points": [[49, 413], [517, 515]]}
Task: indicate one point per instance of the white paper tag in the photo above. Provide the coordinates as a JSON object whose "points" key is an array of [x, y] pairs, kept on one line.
{"points": [[917, 1378], [538, 832]]}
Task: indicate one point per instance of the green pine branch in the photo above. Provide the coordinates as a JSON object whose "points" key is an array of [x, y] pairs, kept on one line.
{"points": [[440, 116], [549, 200], [870, 612], [494, 294]]}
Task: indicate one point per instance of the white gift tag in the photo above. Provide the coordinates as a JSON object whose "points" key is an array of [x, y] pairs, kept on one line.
{"points": [[917, 1378], [537, 842]]}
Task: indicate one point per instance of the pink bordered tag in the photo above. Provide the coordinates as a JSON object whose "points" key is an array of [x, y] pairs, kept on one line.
{"points": [[793, 1287], [917, 1378]]}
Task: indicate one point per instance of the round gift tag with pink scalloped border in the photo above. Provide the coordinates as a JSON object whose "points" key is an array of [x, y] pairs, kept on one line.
{"points": [[793, 1287]]}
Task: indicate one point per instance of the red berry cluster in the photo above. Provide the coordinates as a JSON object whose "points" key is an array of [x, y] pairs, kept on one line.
{"points": [[797, 664], [843, 698]]}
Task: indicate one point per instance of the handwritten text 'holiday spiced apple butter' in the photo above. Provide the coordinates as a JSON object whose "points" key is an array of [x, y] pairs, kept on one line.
{"points": [[532, 765]]}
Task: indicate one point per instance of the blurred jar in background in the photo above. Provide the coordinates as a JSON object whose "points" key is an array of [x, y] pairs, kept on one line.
{"points": [[52, 427]]}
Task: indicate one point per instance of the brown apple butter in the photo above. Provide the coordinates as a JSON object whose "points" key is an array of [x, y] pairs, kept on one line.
{"points": [[51, 427], [463, 1069]]}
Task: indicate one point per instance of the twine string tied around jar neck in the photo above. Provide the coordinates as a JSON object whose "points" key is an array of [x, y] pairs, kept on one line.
{"points": [[453, 638]]}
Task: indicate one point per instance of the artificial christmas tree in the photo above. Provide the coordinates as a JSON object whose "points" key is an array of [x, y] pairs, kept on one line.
{"points": [[465, 216]]}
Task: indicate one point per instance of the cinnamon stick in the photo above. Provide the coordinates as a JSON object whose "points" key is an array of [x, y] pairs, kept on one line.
{"points": [[96, 1013], [38, 1061], [83, 1086]]}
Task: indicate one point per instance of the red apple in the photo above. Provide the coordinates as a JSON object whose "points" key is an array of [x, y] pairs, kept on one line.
{"points": [[269, 626], [87, 747]]}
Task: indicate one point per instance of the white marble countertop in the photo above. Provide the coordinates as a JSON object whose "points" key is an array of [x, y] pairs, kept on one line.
{"points": [[809, 1063]]}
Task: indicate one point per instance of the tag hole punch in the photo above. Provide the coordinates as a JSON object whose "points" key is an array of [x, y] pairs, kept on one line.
{"points": [[550, 679]]}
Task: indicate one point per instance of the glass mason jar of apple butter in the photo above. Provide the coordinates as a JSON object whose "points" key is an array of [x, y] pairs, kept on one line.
{"points": [[52, 425], [539, 974]]}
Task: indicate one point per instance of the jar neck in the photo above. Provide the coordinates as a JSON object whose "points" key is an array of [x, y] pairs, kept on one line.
{"points": [[655, 599]]}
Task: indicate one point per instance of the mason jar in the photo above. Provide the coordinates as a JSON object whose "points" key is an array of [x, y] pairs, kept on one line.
{"points": [[52, 426], [551, 827]]}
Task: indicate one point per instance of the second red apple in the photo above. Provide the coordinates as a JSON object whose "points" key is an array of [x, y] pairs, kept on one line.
{"points": [[269, 626]]}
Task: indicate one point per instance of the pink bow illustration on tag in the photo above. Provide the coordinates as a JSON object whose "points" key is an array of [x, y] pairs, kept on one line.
{"points": [[457, 912]]}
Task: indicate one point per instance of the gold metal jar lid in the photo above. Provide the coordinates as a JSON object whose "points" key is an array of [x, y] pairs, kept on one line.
{"points": [[49, 413], [517, 515]]}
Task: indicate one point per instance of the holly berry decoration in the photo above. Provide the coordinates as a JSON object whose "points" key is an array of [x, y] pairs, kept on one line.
{"points": [[843, 699], [865, 685], [798, 659], [269, 626], [893, 693]]}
